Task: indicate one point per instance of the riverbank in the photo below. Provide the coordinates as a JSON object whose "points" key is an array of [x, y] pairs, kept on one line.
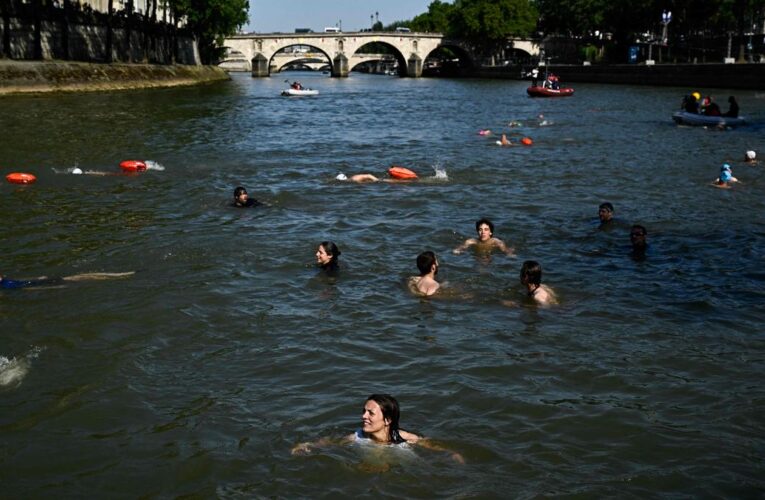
{"points": [[731, 76], [24, 77]]}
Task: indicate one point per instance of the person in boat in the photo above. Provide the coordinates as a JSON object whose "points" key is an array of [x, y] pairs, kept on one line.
{"points": [[691, 103], [639, 241], [242, 199], [710, 107], [726, 177], [554, 82], [750, 157], [531, 278], [327, 256], [425, 283], [8, 283], [485, 241], [379, 426], [732, 108], [297, 86]]}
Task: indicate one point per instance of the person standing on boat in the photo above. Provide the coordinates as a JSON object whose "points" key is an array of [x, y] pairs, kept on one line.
{"points": [[534, 73]]}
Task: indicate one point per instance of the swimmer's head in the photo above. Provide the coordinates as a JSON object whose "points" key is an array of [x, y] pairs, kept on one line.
{"points": [[391, 414], [77, 171], [484, 222], [341, 177], [327, 254], [751, 155], [605, 212], [725, 168], [240, 195], [426, 261], [531, 273]]}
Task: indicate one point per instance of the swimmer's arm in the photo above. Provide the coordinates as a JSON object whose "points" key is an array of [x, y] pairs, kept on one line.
{"points": [[309, 446], [430, 445], [468, 243], [509, 251]]}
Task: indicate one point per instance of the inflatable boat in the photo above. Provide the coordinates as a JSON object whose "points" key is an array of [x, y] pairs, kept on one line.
{"points": [[686, 118], [547, 92], [296, 92]]}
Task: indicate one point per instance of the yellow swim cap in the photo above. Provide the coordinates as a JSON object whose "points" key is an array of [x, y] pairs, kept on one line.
{"points": [[696, 95]]}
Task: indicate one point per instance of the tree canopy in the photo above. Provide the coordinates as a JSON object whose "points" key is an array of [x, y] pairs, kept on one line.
{"points": [[211, 21]]}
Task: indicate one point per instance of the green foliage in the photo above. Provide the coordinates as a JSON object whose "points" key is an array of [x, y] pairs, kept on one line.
{"points": [[488, 23], [436, 20], [211, 21]]}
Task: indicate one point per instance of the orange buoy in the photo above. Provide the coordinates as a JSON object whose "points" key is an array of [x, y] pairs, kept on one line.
{"points": [[526, 141], [401, 173], [133, 166], [20, 178]]}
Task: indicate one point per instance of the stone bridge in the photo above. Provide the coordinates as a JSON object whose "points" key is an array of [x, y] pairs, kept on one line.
{"points": [[409, 49]]}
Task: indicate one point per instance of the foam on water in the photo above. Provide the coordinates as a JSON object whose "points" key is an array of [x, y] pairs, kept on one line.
{"points": [[13, 370]]}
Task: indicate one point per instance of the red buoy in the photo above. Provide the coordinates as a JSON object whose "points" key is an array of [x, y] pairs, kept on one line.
{"points": [[133, 166], [20, 178], [401, 173], [526, 141]]}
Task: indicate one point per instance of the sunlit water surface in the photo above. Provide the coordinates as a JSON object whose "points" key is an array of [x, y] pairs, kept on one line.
{"points": [[197, 375]]}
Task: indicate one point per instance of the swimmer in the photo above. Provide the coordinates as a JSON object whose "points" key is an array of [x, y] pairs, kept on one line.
{"points": [[541, 121], [605, 213], [639, 241], [726, 177], [359, 178], [425, 283], [750, 157], [484, 131], [8, 283], [485, 241], [326, 256], [243, 200], [514, 124], [504, 141], [379, 426], [531, 278]]}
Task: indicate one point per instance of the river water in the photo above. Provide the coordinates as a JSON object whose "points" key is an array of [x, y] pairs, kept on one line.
{"points": [[198, 374]]}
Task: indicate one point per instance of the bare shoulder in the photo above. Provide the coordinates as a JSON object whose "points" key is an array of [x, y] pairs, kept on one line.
{"points": [[409, 436]]}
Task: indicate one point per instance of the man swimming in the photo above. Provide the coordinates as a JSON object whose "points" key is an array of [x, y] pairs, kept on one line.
{"points": [[8, 283], [531, 278], [485, 241], [639, 240], [425, 283], [243, 200]]}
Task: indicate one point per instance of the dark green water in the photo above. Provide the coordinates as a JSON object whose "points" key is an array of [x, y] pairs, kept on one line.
{"points": [[198, 374]]}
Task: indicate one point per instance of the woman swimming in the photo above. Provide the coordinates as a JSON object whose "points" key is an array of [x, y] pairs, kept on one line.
{"points": [[379, 425], [326, 256]]}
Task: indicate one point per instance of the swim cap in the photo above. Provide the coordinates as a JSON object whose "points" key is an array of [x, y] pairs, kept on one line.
{"points": [[76, 170], [725, 176], [341, 177], [751, 155], [725, 167], [696, 95]]}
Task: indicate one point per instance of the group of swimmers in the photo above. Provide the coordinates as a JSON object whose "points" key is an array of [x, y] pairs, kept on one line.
{"points": [[726, 178]]}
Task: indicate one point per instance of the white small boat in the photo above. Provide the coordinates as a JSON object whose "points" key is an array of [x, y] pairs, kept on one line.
{"points": [[686, 118], [296, 92]]}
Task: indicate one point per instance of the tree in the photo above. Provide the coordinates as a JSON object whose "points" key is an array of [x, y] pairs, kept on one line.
{"points": [[488, 23], [211, 21], [436, 20]]}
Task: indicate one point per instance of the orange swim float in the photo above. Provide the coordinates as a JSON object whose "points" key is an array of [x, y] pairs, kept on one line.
{"points": [[401, 173], [20, 178], [526, 141], [133, 166]]}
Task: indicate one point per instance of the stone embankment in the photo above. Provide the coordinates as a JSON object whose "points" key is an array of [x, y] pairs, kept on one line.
{"points": [[23, 77]]}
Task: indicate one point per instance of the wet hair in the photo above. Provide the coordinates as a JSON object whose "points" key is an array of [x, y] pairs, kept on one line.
{"points": [[332, 250], [639, 228], [531, 272], [607, 206], [484, 221], [391, 412], [239, 191], [425, 262]]}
